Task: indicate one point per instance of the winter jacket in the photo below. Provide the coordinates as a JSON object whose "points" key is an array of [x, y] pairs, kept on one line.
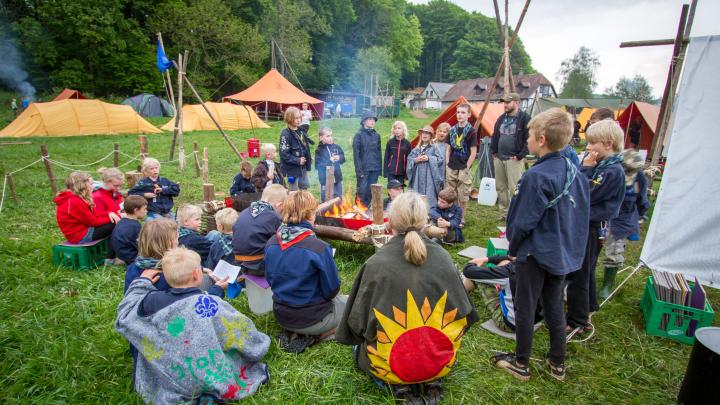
{"points": [[521, 135], [367, 152], [241, 185], [634, 205], [294, 144], [396, 153], [322, 160], [107, 201], [255, 225], [163, 202], [74, 216], [278, 174]]}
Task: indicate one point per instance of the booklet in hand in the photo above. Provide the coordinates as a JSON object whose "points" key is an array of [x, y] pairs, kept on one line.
{"points": [[224, 269]]}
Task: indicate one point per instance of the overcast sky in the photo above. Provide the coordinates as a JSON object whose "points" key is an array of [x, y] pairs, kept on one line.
{"points": [[553, 30]]}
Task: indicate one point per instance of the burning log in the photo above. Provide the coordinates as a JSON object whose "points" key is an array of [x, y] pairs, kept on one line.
{"points": [[323, 208], [338, 233]]}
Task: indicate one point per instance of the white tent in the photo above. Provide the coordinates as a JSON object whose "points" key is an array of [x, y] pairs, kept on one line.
{"points": [[684, 235]]}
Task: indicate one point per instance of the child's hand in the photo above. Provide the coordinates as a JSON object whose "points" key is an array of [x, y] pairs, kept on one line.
{"points": [[157, 189], [149, 195], [222, 283], [443, 223], [480, 261], [302, 160], [590, 159], [151, 274]]}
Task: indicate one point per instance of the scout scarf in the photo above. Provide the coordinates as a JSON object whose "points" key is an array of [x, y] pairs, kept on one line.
{"points": [[457, 141], [144, 263], [226, 243], [570, 172], [289, 235], [600, 167], [185, 231], [258, 207]]}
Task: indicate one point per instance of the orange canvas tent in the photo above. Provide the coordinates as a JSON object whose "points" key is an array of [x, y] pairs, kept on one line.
{"points": [[229, 116], [273, 93], [77, 117], [648, 115], [70, 93], [493, 111]]}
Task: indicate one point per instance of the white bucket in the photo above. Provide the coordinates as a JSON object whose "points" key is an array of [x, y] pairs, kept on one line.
{"points": [[488, 193], [259, 299]]}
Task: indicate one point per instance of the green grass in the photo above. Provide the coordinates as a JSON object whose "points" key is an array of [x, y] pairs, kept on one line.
{"points": [[58, 343]]}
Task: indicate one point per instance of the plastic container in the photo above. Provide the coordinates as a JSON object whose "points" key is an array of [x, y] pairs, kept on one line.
{"points": [[259, 294], [703, 370], [487, 194], [84, 256], [678, 316], [497, 247], [253, 147]]}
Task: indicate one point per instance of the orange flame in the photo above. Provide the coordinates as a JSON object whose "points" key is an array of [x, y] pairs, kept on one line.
{"points": [[345, 207]]}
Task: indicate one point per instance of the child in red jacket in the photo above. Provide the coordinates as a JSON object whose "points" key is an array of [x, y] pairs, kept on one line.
{"points": [[107, 198], [75, 215]]}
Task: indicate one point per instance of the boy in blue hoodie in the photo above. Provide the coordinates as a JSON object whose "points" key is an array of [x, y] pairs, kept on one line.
{"points": [[546, 229], [448, 215], [124, 239], [158, 191], [602, 167], [328, 153]]}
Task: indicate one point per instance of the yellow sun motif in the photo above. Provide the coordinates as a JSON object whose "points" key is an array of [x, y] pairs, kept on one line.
{"points": [[417, 345]]}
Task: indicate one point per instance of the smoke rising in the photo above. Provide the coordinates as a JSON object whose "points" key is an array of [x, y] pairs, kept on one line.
{"points": [[12, 73]]}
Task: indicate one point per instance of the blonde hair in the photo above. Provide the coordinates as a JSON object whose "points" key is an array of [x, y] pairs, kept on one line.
{"points": [[291, 113], [298, 206], [186, 212], [402, 126], [226, 217], [77, 183], [443, 126], [178, 265], [555, 125], [148, 163], [267, 148], [108, 174], [605, 132], [157, 237], [408, 215], [324, 131], [274, 194]]}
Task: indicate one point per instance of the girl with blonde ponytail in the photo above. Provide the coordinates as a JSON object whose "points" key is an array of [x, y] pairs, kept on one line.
{"points": [[409, 290]]}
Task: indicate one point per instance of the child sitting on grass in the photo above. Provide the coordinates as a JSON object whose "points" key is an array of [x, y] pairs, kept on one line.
{"points": [[192, 346], [189, 218], [156, 238], [241, 182], [75, 213], [124, 240], [159, 191], [221, 249], [448, 215]]}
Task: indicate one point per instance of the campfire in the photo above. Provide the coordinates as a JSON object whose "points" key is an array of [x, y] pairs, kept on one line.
{"points": [[348, 209]]}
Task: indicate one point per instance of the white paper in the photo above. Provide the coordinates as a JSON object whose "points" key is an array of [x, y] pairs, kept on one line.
{"points": [[224, 269]]}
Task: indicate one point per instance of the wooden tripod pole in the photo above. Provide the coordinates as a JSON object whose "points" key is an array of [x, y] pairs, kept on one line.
{"points": [[177, 133], [181, 142], [171, 95]]}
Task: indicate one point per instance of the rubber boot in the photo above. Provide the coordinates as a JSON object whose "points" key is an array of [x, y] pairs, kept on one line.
{"points": [[608, 282]]}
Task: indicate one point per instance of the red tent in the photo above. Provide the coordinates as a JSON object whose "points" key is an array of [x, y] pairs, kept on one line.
{"points": [[648, 115], [273, 93], [70, 93]]}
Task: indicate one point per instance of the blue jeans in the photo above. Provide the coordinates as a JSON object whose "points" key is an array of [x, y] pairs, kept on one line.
{"points": [[363, 185], [151, 216], [337, 190]]}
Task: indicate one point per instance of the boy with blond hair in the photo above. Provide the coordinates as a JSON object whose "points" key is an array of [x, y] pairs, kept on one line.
{"points": [[602, 166], [547, 226], [189, 219], [170, 327], [221, 249], [275, 172], [158, 191]]}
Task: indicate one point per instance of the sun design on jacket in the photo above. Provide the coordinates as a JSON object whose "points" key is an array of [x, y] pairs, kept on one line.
{"points": [[418, 345]]}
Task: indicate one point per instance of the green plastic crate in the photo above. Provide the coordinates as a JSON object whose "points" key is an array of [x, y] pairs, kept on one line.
{"points": [[497, 247], [80, 257], [678, 316]]}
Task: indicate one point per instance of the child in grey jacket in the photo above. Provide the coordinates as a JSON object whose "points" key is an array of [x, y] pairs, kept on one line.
{"points": [[190, 344]]}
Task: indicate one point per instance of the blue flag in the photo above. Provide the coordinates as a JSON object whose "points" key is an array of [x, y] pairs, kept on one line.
{"points": [[163, 63]]}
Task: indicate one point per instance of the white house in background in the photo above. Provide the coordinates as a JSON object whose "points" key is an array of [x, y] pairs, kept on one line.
{"points": [[431, 97]]}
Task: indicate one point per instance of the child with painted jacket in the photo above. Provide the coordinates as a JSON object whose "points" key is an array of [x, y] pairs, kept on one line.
{"points": [[192, 346], [602, 166], [328, 153], [397, 150], [159, 191]]}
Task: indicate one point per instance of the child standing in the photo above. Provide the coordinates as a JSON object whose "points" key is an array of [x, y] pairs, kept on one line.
{"points": [[295, 149], [221, 249], [459, 157], [189, 218], [75, 213], [396, 153], [159, 191], [602, 168], [241, 181], [306, 118], [546, 228], [124, 240], [447, 215], [171, 327], [367, 156], [425, 167], [441, 134], [328, 153]]}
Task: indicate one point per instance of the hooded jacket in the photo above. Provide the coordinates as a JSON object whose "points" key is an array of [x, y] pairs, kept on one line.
{"points": [[74, 216], [366, 151], [106, 201]]}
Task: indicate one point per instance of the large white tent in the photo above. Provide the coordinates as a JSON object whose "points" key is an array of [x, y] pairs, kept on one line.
{"points": [[684, 234]]}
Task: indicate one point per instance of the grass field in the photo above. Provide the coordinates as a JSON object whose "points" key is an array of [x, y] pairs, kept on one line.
{"points": [[58, 343]]}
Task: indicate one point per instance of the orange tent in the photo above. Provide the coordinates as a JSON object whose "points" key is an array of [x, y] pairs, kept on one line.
{"points": [[648, 115], [274, 93], [492, 113], [229, 116], [69, 93]]}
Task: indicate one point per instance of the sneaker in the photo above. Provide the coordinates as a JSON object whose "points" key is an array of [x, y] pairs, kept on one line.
{"points": [[509, 362], [556, 371], [406, 395]]}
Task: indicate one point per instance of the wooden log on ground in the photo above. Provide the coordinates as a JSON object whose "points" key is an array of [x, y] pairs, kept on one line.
{"points": [[208, 192], [48, 168], [378, 214], [337, 233], [329, 182], [132, 177]]}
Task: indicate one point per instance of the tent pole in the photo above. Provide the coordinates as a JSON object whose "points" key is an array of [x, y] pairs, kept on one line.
{"points": [[179, 111], [266, 110]]}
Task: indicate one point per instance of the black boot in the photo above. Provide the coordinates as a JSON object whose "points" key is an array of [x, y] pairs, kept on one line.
{"points": [[608, 282]]}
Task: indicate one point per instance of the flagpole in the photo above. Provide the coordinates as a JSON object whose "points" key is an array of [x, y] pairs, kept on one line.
{"points": [[169, 89]]}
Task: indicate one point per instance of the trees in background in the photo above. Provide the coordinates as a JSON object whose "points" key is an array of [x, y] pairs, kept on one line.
{"points": [[636, 88], [577, 74]]}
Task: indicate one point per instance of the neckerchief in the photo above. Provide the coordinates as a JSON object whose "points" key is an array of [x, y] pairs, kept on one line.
{"points": [[457, 141], [570, 172], [185, 231], [144, 263], [226, 243], [300, 138], [290, 234], [600, 167], [258, 207]]}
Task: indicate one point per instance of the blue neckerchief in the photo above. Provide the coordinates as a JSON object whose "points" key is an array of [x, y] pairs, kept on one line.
{"points": [[453, 137], [258, 207], [570, 172], [287, 233], [226, 243], [183, 232], [144, 263], [600, 167]]}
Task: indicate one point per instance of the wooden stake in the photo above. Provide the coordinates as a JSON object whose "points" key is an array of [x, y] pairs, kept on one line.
{"points": [[143, 147], [234, 148], [116, 155], [208, 192], [11, 183], [329, 182], [205, 170], [378, 213], [48, 168], [197, 159]]}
